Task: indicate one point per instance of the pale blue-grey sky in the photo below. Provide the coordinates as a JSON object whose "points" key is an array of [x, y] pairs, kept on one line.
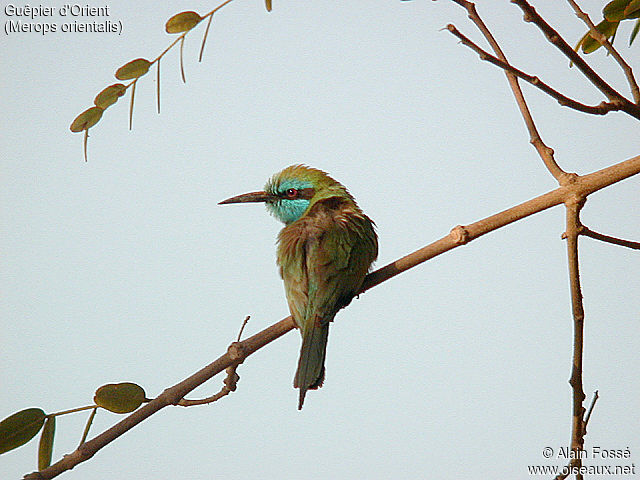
{"points": [[126, 269]]}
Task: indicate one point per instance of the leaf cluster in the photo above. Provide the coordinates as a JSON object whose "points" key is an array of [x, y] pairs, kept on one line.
{"points": [[613, 13], [181, 23], [22, 426]]}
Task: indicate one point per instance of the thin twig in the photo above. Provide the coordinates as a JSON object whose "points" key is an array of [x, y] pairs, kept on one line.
{"points": [[530, 15], [184, 34], [600, 37], [230, 385], [158, 86], [230, 382], [587, 232], [573, 206], [546, 153], [588, 415], [574, 464], [244, 324], [72, 410], [204, 38], [601, 109], [237, 352], [85, 433], [133, 95], [184, 79]]}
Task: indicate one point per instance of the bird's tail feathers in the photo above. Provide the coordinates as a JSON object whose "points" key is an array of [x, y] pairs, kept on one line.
{"points": [[310, 373]]}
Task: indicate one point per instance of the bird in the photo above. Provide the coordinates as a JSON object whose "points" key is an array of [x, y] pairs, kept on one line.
{"points": [[324, 252]]}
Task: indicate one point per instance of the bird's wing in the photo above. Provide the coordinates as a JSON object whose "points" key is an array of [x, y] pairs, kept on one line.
{"points": [[337, 260], [323, 258]]}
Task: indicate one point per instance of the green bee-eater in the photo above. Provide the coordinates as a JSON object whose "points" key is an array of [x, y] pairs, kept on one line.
{"points": [[324, 252]]}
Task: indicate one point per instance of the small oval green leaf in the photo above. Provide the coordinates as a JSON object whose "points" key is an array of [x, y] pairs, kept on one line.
{"points": [[614, 11], [109, 95], [119, 397], [19, 428], [133, 69], [182, 22], [45, 448], [86, 119]]}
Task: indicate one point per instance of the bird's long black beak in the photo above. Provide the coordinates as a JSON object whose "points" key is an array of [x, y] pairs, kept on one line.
{"points": [[252, 197]]}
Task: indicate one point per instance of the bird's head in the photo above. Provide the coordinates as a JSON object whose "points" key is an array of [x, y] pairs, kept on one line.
{"points": [[290, 193]]}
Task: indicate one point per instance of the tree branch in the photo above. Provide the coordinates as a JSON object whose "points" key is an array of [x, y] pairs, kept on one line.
{"points": [[239, 351], [530, 15], [572, 462], [601, 109], [230, 381], [574, 205], [235, 355], [546, 153], [590, 411], [595, 33], [230, 385], [582, 186], [587, 232]]}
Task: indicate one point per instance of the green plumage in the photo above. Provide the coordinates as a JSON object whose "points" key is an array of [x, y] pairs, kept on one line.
{"points": [[324, 252]]}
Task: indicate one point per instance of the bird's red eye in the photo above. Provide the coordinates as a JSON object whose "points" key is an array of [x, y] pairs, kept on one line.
{"points": [[292, 193]]}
